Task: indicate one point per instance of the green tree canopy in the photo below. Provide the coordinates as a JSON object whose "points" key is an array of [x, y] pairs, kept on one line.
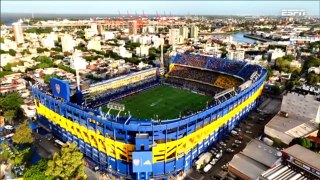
{"points": [[9, 116], [37, 171], [12, 52], [313, 78], [11, 102], [68, 164], [305, 142], [23, 134], [311, 62], [39, 30], [47, 77], [21, 156]]}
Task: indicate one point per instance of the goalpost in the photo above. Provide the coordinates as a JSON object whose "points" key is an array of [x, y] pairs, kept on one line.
{"points": [[115, 106]]}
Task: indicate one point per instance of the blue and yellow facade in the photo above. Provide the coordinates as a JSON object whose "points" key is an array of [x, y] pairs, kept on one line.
{"points": [[174, 143]]}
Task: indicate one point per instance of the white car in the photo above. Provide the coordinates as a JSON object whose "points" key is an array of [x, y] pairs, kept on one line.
{"points": [[237, 142], [213, 162], [207, 168], [8, 127]]}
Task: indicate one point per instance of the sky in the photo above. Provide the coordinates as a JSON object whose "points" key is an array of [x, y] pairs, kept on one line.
{"points": [[151, 7]]}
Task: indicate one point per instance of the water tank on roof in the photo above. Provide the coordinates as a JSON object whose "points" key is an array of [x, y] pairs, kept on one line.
{"points": [[284, 114]]}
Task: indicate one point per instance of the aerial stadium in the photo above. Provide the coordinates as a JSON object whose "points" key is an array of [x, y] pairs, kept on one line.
{"points": [[151, 124]]}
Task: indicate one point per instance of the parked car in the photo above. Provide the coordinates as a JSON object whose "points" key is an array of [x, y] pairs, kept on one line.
{"points": [[219, 155], [240, 138], [249, 132], [222, 144], [207, 168], [229, 150], [237, 142], [213, 161], [233, 132], [224, 167], [235, 145]]}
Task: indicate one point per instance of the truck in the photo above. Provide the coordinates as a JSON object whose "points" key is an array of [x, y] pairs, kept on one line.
{"points": [[203, 159]]}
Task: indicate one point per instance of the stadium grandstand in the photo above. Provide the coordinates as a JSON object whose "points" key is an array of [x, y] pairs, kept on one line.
{"points": [[129, 125]]}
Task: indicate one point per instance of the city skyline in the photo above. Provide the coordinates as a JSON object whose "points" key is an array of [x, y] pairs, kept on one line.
{"points": [[240, 8]]}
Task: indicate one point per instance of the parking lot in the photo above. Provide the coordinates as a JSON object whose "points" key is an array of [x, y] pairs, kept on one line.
{"points": [[247, 130]]}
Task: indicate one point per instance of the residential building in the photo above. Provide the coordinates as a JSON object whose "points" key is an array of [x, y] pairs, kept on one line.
{"points": [[174, 36], [184, 32], [297, 118], [18, 33], [94, 44], [67, 43], [133, 27], [194, 33], [143, 50], [236, 55]]}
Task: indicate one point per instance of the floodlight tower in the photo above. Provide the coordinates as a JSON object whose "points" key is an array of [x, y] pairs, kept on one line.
{"points": [[161, 57]]}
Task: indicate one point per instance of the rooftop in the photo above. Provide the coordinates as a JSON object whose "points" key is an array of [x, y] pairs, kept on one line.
{"points": [[304, 155], [247, 166], [261, 152], [302, 113]]}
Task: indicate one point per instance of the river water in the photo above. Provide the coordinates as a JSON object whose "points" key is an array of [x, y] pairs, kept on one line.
{"points": [[238, 37]]}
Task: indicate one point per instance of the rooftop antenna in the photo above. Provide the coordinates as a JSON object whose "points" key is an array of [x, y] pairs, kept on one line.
{"points": [[128, 14]]}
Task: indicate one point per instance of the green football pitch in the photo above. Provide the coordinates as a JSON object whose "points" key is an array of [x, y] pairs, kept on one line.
{"points": [[163, 101]]}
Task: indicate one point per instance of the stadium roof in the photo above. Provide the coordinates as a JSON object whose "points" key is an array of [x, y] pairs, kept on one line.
{"points": [[302, 112], [304, 155], [261, 152], [247, 166]]}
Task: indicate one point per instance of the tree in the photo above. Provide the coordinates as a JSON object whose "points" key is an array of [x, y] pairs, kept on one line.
{"points": [[311, 62], [11, 102], [37, 171], [23, 134], [5, 154], [12, 52], [47, 77], [68, 164], [9, 116], [21, 156], [313, 78], [305, 142]]}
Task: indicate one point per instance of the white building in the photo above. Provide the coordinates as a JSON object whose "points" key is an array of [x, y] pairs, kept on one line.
{"points": [[275, 53], [143, 50], [67, 43], [18, 33], [94, 28], [235, 55], [122, 51], [108, 35], [314, 69], [8, 44], [213, 51], [194, 33], [184, 32], [94, 44], [174, 36], [145, 40], [298, 117], [48, 42]]}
